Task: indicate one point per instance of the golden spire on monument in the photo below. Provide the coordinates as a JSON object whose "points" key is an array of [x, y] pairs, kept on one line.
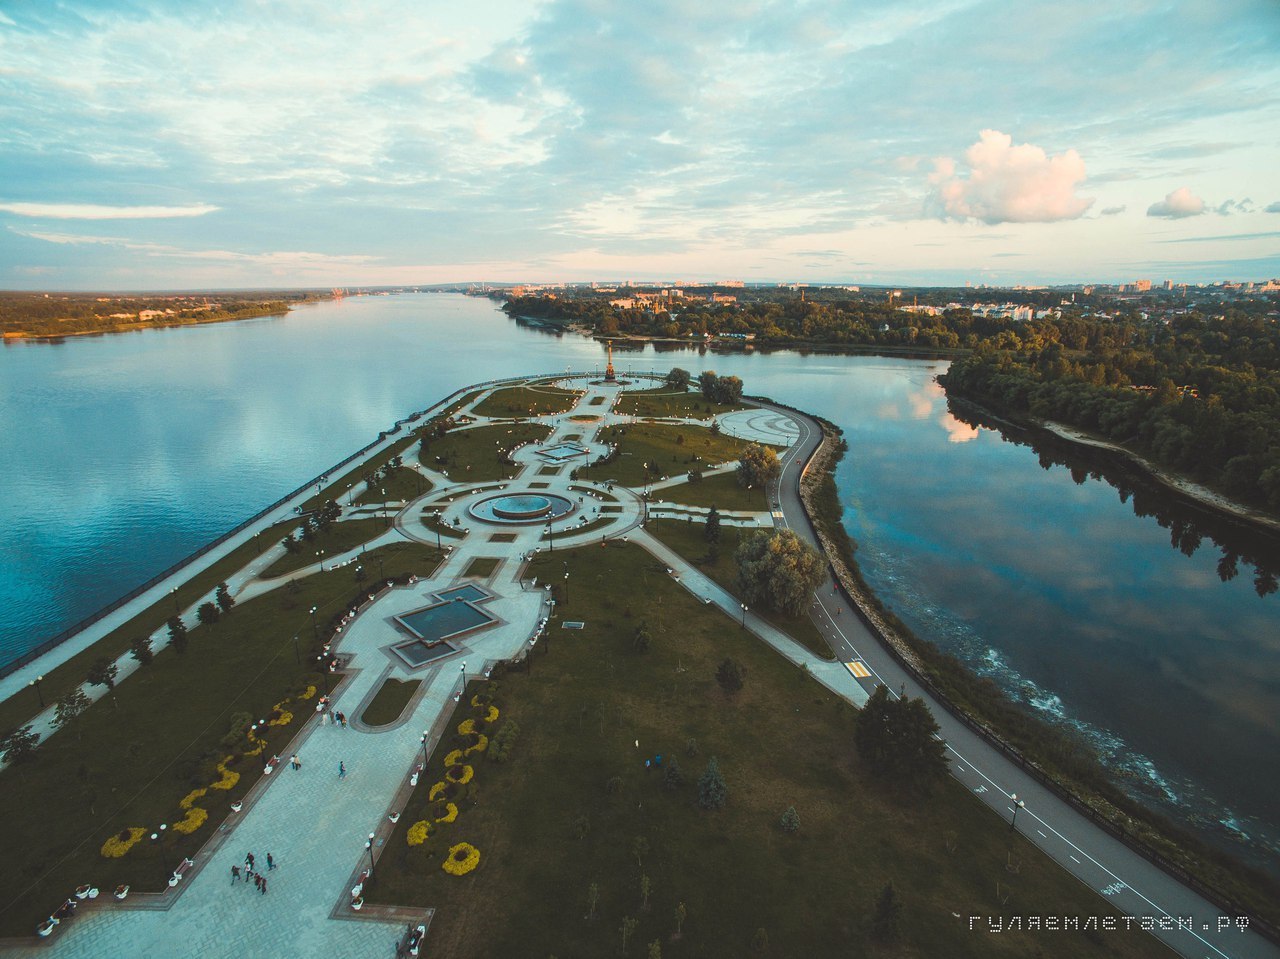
{"points": [[609, 375]]}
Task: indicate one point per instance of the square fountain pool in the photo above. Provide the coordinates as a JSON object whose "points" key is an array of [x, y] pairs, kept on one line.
{"points": [[444, 620], [563, 452]]}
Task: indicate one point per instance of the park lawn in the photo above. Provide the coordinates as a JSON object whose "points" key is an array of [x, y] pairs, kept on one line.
{"points": [[22, 707], [340, 537], [721, 491], [402, 485], [688, 539], [433, 525], [663, 401], [342, 485], [129, 762], [548, 827], [525, 401], [482, 567], [673, 449], [389, 701], [472, 455]]}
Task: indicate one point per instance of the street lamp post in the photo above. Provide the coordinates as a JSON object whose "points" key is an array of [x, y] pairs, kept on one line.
{"points": [[566, 589], [369, 846], [551, 539], [1017, 804], [173, 591], [315, 630], [324, 668], [296, 655], [156, 838], [36, 683], [744, 615], [425, 732], [464, 678], [438, 521]]}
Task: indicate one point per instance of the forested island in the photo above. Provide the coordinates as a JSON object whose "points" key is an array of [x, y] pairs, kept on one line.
{"points": [[50, 315], [1189, 379]]}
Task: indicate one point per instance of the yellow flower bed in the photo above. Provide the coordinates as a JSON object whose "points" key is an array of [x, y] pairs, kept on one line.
{"points": [[191, 797], [308, 693], [450, 813], [466, 727], [418, 833], [462, 858], [284, 719], [492, 715], [481, 744], [115, 847], [229, 777], [476, 702], [436, 790], [454, 758], [459, 775], [193, 820]]}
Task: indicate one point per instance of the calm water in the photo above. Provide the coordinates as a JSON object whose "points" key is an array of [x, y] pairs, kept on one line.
{"points": [[121, 454]]}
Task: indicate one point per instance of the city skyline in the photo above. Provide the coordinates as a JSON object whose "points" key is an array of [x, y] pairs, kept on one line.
{"points": [[147, 145]]}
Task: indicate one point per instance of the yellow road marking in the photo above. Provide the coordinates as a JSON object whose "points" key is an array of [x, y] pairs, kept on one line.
{"points": [[858, 669]]}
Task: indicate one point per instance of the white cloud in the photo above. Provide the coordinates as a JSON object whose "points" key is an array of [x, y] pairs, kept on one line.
{"points": [[301, 260], [1273, 207], [90, 211], [1008, 184], [1178, 204], [1113, 210]]}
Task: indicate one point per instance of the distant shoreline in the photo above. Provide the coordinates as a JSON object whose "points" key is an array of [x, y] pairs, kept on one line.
{"points": [[168, 323]]}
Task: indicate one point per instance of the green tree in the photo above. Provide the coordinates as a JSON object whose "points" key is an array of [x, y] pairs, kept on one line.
{"points": [[713, 793], [678, 379], [18, 745], [140, 649], [672, 778], [103, 672], [639, 849], [760, 942], [790, 821], [70, 708], [224, 598], [707, 383], [646, 888], [681, 915], [177, 634], [898, 738], [628, 928], [290, 544], [712, 532], [757, 466], [655, 950], [208, 614], [593, 899], [729, 674], [778, 570], [888, 913], [642, 638]]}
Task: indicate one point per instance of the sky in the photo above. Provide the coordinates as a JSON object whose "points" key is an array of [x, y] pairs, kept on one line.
{"points": [[291, 143]]}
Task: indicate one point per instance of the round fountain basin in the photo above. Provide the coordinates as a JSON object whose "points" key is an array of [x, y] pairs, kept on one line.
{"points": [[521, 508]]}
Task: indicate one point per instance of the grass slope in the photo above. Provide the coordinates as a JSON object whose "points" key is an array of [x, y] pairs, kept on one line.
{"points": [[523, 401], [661, 401], [471, 456], [722, 492], [674, 449]]}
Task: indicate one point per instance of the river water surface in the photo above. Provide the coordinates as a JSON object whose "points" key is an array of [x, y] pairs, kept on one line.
{"points": [[121, 454]]}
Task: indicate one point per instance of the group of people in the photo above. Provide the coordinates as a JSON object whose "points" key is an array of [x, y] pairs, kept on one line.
{"points": [[250, 873], [327, 714]]}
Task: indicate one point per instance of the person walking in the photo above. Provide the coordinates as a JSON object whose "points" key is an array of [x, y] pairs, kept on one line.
{"points": [[235, 874], [248, 863], [342, 770], [257, 881], [262, 885], [271, 863]]}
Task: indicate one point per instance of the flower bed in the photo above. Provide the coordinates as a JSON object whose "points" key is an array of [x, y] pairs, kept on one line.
{"points": [[418, 833], [122, 842], [462, 859]]}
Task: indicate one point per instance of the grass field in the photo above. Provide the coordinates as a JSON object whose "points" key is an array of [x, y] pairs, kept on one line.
{"points": [[482, 566], [722, 492], [389, 702], [403, 484], [341, 487], [687, 539], [523, 401], [132, 756], [472, 455], [661, 401], [548, 823], [336, 540], [673, 449]]}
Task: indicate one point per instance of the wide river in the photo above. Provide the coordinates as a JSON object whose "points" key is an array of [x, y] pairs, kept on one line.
{"points": [[121, 454]]}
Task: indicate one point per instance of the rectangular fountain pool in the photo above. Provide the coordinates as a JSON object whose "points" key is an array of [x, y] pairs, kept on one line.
{"points": [[563, 451], [466, 591], [441, 621]]}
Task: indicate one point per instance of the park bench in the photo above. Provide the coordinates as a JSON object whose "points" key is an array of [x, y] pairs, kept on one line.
{"points": [[181, 871]]}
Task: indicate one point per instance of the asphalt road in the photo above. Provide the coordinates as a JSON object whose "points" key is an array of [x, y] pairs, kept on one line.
{"points": [[1131, 884]]}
